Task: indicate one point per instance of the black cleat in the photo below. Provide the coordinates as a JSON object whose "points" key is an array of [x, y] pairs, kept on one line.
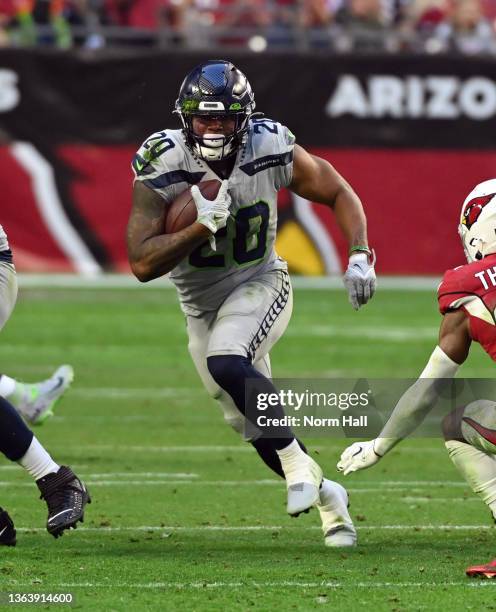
{"points": [[7, 529], [66, 496]]}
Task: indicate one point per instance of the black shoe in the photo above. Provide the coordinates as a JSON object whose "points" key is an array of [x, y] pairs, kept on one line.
{"points": [[7, 529], [66, 496]]}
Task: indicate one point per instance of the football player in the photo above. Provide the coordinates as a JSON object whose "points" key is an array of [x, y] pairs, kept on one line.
{"points": [[233, 288], [63, 492], [467, 301]]}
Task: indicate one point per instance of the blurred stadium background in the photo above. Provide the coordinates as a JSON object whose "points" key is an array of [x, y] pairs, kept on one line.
{"points": [[400, 95]]}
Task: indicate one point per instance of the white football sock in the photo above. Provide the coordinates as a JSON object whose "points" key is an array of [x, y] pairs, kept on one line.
{"points": [[7, 386], [291, 456], [478, 468], [37, 461]]}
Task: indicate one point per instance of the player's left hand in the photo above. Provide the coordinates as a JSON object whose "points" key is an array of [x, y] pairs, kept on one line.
{"points": [[360, 279], [358, 456]]}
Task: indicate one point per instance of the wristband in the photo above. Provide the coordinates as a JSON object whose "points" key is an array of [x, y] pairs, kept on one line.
{"points": [[360, 248]]}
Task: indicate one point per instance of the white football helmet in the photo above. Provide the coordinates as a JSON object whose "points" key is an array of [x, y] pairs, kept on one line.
{"points": [[477, 227]]}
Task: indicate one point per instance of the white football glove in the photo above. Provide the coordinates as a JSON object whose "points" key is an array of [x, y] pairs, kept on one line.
{"points": [[358, 456], [212, 214], [360, 279]]}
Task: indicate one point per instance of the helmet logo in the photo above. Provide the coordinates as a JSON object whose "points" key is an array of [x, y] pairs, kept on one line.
{"points": [[189, 106], [235, 106], [474, 208]]}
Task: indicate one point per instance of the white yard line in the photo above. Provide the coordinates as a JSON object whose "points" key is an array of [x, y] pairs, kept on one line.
{"points": [[140, 474], [127, 392], [440, 500], [113, 480], [249, 528], [271, 584], [115, 448], [390, 333], [212, 448], [125, 281], [240, 448], [154, 483]]}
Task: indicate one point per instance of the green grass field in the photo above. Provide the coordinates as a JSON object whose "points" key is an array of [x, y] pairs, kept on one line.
{"points": [[184, 515]]}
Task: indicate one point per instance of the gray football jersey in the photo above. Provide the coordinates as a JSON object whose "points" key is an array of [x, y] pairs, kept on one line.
{"points": [[4, 245], [245, 247]]}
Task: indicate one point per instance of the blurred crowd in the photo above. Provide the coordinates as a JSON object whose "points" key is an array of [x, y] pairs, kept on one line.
{"points": [[429, 26]]}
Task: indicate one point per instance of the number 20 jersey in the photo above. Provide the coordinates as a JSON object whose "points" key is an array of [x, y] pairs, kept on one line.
{"points": [[245, 247]]}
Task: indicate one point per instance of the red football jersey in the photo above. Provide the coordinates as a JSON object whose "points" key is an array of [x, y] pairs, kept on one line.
{"points": [[473, 288]]}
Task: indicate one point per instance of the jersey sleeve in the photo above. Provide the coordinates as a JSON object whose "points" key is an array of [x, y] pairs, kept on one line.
{"points": [[271, 152], [155, 163], [454, 290], [285, 170]]}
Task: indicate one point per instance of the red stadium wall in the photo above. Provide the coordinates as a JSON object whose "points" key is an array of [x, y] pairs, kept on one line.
{"points": [[412, 200], [412, 135]]}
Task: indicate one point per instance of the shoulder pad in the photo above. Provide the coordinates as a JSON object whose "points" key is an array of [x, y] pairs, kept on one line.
{"points": [[160, 152], [269, 137]]}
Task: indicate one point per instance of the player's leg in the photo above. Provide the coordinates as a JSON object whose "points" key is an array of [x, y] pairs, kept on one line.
{"points": [[333, 500], [335, 518], [63, 492], [470, 438], [7, 530], [248, 324], [244, 303], [470, 434], [253, 316], [36, 401], [199, 331]]}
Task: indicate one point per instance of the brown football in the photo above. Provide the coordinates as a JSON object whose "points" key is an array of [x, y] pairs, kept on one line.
{"points": [[182, 211]]}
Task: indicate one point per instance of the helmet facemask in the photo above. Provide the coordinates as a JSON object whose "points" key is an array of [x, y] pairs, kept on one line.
{"points": [[216, 89], [215, 146], [477, 228]]}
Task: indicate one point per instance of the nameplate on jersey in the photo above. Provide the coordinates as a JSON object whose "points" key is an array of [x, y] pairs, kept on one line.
{"points": [[173, 177], [487, 277], [264, 163]]}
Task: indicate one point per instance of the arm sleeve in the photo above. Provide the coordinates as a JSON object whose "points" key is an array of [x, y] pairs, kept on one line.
{"points": [[416, 402]]}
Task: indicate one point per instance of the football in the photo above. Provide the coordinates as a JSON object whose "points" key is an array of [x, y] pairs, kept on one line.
{"points": [[182, 211]]}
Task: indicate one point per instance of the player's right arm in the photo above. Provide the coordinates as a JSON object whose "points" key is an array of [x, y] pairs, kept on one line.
{"points": [[417, 401], [152, 253]]}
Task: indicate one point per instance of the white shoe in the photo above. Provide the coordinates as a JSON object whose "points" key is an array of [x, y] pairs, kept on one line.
{"points": [[303, 484], [36, 401], [338, 528]]}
